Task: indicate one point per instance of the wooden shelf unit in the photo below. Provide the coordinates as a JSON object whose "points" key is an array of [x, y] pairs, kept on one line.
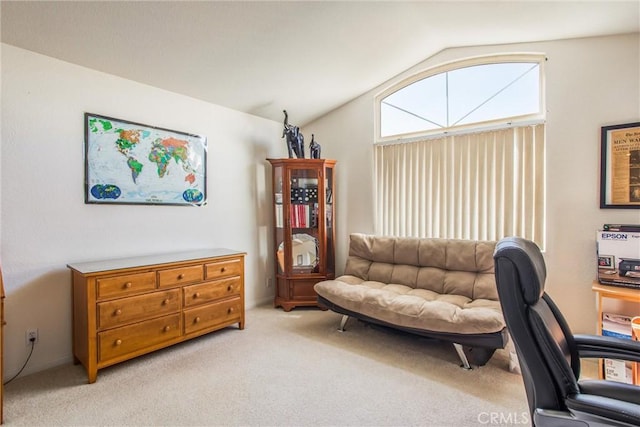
{"points": [[619, 293], [129, 307]]}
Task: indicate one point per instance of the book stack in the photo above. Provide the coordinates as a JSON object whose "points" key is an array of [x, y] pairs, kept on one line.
{"points": [[618, 326], [304, 215]]}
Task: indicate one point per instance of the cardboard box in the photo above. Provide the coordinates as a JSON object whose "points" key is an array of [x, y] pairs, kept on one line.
{"points": [[618, 370], [618, 256], [619, 326]]}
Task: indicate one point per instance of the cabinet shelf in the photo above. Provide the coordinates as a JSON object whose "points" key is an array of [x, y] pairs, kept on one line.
{"points": [[617, 293]]}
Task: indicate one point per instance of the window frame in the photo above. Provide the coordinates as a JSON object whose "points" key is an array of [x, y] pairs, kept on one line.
{"points": [[472, 127]]}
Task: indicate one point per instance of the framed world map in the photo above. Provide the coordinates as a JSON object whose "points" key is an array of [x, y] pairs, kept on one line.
{"points": [[133, 163]]}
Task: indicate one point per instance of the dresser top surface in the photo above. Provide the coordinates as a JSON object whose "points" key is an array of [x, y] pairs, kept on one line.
{"points": [[148, 260]]}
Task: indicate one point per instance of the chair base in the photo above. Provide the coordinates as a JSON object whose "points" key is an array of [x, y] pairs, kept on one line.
{"points": [[551, 418]]}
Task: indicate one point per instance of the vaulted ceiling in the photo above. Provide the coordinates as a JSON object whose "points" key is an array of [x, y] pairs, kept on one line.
{"points": [[308, 57]]}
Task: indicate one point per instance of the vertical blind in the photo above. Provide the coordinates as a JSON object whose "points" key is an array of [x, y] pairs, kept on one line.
{"points": [[480, 186]]}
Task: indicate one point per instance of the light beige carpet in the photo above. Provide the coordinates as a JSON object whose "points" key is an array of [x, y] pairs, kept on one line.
{"points": [[284, 369]]}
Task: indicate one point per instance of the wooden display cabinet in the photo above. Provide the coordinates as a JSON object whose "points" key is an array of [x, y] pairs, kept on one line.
{"points": [[304, 228]]}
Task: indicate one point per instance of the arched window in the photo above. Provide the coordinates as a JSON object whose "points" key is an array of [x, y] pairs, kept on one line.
{"points": [[462, 95], [460, 151]]}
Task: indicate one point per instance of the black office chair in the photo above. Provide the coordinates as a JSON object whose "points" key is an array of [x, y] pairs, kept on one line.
{"points": [[549, 354]]}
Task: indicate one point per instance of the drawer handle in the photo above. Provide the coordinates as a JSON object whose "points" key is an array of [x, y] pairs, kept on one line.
{"points": [[167, 328], [230, 310], [118, 342], [180, 276], [196, 319], [230, 288], [127, 285], [165, 302], [196, 295], [118, 312], [223, 269]]}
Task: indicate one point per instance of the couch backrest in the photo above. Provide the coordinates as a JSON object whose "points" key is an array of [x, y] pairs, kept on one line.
{"points": [[446, 266]]}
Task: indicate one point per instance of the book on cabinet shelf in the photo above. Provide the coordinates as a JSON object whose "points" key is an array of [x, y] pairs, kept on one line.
{"points": [[303, 216], [279, 216]]}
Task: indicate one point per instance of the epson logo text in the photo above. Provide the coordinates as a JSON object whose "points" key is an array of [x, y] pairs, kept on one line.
{"points": [[614, 236]]}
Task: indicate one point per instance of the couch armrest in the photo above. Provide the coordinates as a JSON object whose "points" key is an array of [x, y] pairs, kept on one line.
{"points": [[596, 346]]}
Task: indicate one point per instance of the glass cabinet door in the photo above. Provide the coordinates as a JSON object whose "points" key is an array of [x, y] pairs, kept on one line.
{"points": [[329, 214], [304, 219], [278, 198]]}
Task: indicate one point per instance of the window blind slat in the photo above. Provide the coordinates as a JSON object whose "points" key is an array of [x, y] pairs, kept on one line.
{"points": [[474, 186]]}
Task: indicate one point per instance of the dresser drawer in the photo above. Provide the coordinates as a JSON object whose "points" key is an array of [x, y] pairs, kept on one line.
{"points": [[127, 284], [128, 339], [132, 309], [211, 291], [179, 276], [218, 269], [211, 315]]}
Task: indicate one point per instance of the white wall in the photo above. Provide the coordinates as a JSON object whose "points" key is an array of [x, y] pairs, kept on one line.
{"points": [[590, 83], [45, 223]]}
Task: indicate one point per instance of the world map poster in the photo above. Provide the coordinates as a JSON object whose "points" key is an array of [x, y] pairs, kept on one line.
{"points": [[127, 162]]}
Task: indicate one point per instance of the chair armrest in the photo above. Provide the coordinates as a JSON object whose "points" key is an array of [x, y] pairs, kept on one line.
{"points": [[596, 346], [610, 411]]}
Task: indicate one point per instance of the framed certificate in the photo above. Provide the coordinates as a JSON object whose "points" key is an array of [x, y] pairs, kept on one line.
{"points": [[620, 166]]}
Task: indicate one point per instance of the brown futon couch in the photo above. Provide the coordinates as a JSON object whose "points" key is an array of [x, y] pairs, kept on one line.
{"points": [[439, 288]]}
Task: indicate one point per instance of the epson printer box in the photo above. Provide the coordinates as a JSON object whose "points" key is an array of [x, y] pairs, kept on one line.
{"points": [[619, 258]]}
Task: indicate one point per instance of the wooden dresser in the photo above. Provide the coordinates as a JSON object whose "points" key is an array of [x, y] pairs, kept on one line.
{"points": [[128, 307]]}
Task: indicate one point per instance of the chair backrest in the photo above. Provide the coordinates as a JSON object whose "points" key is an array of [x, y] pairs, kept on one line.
{"points": [[544, 343]]}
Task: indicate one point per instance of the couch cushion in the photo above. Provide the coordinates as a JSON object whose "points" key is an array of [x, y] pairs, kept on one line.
{"points": [[446, 266], [411, 307]]}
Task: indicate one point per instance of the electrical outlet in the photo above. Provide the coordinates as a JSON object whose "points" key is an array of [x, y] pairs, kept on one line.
{"points": [[31, 336], [269, 282]]}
